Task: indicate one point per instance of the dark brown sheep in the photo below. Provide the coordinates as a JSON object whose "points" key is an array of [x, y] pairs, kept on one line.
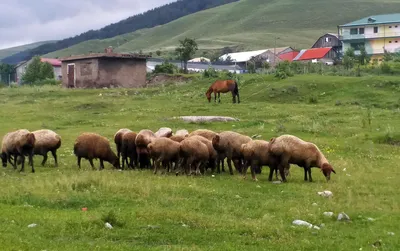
{"points": [[118, 139], [164, 151], [293, 150], [194, 154], [128, 150], [143, 138], [94, 146], [213, 155], [18, 144]]}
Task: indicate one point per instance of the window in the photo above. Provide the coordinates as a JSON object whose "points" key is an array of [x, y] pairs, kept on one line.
{"points": [[353, 31], [395, 26], [356, 46], [375, 29], [328, 39], [361, 31], [395, 41], [390, 27], [390, 42]]}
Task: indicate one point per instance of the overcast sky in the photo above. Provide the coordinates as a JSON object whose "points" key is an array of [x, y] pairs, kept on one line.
{"points": [[27, 21]]}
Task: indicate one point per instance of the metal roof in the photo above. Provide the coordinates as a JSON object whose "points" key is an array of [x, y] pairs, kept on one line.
{"points": [[373, 20], [315, 53], [52, 61], [247, 55]]}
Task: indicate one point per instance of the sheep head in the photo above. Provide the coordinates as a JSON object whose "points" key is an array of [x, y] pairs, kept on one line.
{"points": [[215, 141], [326, 170]]}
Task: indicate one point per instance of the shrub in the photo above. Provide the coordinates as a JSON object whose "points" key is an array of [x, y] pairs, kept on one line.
{"points": [[166, 67], [385, 68], [210, 73], [49, 81]]}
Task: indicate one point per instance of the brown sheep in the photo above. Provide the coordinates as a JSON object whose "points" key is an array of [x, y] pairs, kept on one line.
{"points": [[194, 154], [118, 139], [256, 154], [177, 138], [143, 138], [293, 150], [182, 132], [18, 144], [128, 150], [165, 151], [164, 132], [229, 143], [94, 146], [213, 155], [46, 141]]}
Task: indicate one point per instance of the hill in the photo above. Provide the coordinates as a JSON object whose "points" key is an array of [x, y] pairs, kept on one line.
{"points": [[249, 24], [13, 50], [224, 212], [149, 19]]}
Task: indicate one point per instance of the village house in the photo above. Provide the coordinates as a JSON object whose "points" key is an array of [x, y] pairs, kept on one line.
{"points": [[317, 55], [21, 67], [109, 69], [270, 56], [376, 34]]}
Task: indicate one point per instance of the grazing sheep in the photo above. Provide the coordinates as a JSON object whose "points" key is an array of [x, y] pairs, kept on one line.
{"points": [[256, 154], [94, 146], [293, 150], [118, 139], [194, 153], [165, 151], [182, 132], [213, 155], [143, 138], [128, 150], [228, 143], [177, 138], [18, 144], [46, 141], [164, 132]]}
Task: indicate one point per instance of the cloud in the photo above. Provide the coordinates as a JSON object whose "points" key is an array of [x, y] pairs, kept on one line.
{"points": [[27, 21]]}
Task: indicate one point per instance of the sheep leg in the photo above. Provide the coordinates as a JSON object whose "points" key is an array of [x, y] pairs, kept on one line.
{"points": [[44, 159], [230, 165], [23, 163], [31, 161], [54, 153], [15, 161], [309, 174], [101, 164], [156, 166], [91, 163], [79, 162], [245, 167], [253, 171], [271, 173]]}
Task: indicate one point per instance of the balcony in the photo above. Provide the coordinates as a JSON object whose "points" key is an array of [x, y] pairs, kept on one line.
{"points": [[347, 36]]}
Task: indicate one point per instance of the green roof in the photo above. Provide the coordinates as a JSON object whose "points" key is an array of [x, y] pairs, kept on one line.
{"points": [[378, 19]]}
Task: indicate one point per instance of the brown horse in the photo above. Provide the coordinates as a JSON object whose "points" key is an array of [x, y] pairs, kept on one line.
{"points": [[223, 86]]}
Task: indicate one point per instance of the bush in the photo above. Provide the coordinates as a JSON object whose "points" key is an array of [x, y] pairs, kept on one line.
{"points": [[385, 68], [166, 67], [283, 70], [47, 82], [210, 73]]}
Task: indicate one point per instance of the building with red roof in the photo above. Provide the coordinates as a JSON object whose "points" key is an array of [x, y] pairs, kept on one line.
{"points": [[288, 56], [325, 55], [20, 68]]}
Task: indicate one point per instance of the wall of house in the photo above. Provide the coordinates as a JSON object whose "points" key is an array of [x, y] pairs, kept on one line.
{"points": [[86, 73], [327, 41], [127, 73]]}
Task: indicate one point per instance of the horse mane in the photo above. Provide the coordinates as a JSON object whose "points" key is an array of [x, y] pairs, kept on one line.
{"points": [[210, 90]]}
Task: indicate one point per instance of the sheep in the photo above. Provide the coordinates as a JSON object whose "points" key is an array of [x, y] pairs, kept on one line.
{"points": [[194, 152], [165, 151], [229, 143], [213, 155], [182, 132], [18, 144], [118, 139], [293, 150], [128, 150], [256, 154], [164, 132], [94, 146], [46, 141], [177, 138], [143, 138]]}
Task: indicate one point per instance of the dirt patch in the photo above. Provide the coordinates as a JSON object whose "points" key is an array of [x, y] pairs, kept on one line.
{"points": [[164, 78]]}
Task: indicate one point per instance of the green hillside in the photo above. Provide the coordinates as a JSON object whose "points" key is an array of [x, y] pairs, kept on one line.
{"points": [[250, 24], [11, 51]]}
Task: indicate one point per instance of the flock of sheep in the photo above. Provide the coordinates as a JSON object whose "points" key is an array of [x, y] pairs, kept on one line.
{"points": [[182, 152]]}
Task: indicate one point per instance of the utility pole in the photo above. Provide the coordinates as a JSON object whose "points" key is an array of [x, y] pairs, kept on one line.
{"points": [[275, 49]]}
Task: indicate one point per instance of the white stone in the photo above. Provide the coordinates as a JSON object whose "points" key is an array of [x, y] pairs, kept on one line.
{"points": [[370, 219], [302, 223], [32, 225], [316, 227], [326, 194], [343, 217], [390, 233], [315, 204], [328, 214], [108, 225], [277, 182]]}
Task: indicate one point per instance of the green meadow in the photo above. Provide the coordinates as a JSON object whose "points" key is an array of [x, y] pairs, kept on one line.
{"points": [[354, 121]]}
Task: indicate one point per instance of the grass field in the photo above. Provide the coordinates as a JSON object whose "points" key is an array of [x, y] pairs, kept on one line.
{"points": [[351, 119], [249, 24]]}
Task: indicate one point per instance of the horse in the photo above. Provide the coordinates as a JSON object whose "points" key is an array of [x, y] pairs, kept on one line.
{"points": [[223, 86]]}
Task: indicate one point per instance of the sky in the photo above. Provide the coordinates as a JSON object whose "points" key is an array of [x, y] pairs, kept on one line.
{"points": [[28, 21]]}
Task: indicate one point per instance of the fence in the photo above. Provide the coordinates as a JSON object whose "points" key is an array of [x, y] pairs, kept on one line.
{"points": [[7, 78]]}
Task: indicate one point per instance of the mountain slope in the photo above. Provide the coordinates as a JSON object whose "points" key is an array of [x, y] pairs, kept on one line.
{"points": [[250, 24], [149, 19], [13, 50]]}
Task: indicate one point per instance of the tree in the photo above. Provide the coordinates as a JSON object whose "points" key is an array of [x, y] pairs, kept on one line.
{"points": [[186, 50], [363, 58], [158, 53], [349, 58], [37, 71]]}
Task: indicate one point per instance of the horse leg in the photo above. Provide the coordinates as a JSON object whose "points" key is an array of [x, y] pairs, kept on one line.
{"points": [[219, 97], [215, 97], [233, 97]]}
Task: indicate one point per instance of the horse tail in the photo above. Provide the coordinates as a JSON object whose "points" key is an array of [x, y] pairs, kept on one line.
{"points": [[236, 90]]}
